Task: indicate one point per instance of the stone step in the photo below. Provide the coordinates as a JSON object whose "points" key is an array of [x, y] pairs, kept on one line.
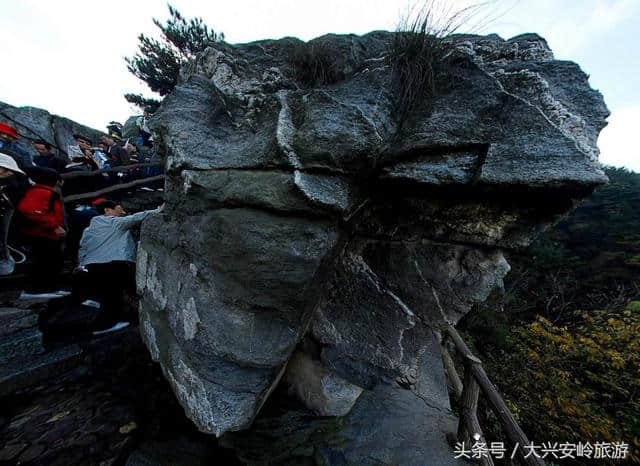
{"points": [[13, 320], [20, 345], [30, 371]]}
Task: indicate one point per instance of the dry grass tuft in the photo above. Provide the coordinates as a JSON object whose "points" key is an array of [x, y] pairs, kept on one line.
{"points": [[316, 63], [418, 50]]}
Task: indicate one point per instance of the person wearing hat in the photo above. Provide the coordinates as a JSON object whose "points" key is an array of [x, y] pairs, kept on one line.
{"points": [[13, 184], [8, 145], [44, 228], [46, 158], [7, 133], [115, 130]]}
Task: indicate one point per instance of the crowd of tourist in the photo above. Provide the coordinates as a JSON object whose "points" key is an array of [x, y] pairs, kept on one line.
{"points": [[107, 152], [35, 227]]}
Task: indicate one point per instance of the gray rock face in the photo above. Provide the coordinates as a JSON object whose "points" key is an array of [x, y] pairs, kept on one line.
{"points": [[308, 212], [54, 129], [321, 390], [130, 128]]}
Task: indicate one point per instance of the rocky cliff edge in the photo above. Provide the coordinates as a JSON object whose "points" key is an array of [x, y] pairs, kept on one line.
{"points": [[315, 238]]}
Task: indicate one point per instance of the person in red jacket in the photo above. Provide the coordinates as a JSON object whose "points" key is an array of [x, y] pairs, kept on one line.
{"points": [[44, 230]]}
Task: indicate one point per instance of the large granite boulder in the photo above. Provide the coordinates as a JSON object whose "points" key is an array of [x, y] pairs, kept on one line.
{"points": [[311, 238]]}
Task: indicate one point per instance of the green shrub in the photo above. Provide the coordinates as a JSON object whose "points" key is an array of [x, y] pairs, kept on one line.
{"points": [[574, 383], [157, 62], [633, 307]]}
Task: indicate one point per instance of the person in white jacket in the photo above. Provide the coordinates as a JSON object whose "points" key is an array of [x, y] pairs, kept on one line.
{"points": [[107, 252]]}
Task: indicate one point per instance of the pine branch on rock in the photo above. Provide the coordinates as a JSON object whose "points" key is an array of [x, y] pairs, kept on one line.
{"points": [[158, 62]]}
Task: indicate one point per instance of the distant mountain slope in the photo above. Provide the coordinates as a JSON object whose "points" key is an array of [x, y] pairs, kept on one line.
{"points": [[565, 351], [54, 129], [604, 232], [589, 259]]}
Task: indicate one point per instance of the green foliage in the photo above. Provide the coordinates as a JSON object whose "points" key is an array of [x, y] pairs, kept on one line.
{"points": [[574, 383], [143, 102], [590, 259], [158, 62], [633, 306], [490, 322], [571, 374], [188, 37], [603, 231]]}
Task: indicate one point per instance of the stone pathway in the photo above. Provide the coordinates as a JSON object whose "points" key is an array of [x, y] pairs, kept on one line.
{"points": [[24, 361], [69, 398], [84, 415]]}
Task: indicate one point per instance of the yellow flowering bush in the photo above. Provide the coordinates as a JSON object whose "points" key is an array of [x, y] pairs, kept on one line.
{"points": [[575, 383]]}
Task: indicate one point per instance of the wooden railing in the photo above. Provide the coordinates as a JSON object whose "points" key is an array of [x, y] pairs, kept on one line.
{"points": [[467, 393], [114, 187], [121, 168]]}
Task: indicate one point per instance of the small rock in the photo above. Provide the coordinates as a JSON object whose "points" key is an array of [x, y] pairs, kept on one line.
{"points": [[125, 429], [57, 417]]}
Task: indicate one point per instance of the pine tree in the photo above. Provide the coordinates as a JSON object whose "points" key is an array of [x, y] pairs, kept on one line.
{"points": [[158, 62]]}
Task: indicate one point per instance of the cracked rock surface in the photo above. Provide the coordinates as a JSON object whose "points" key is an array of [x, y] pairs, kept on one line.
{"points": [[310, 239]]}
